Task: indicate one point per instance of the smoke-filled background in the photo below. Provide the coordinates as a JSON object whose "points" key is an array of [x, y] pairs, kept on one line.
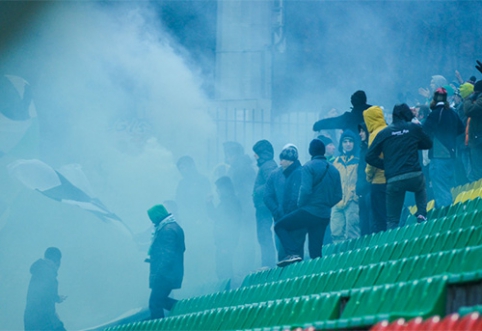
{"points": [[123, 89]]}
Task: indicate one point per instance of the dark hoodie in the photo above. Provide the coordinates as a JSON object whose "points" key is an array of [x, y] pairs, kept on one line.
{"points": [[41, 297], [399, 143], [349, 120], [362, 185], [266, 165]]}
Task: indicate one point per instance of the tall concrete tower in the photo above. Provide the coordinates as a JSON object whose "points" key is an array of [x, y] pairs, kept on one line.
{"points": [[243, 54]]}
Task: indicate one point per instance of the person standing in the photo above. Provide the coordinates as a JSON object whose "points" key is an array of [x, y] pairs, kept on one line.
{"points": [[282, 191], [320, 190], [443, 125], [345, 218], [43, 293], [400, 143], [378, 183], [166, 259], [227, 223], [362, 185], [263, 153], [348, 120]]}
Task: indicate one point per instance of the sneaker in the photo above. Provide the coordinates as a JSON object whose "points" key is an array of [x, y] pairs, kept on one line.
{"points": [[288, 260], [421, 219]]}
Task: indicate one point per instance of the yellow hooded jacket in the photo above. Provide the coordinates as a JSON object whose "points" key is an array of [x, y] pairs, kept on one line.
{"points": [[375, 122]]}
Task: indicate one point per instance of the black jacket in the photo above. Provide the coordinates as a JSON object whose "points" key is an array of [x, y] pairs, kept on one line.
{"points": [[320, 187], [444, 125], [41, 297], [349, 120], [399, 143], [282, 190], [167, 255]]}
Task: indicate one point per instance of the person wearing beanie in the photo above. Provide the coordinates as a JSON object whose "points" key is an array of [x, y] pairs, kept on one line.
{"points": [[320, 190], [443, 125], [166, 259], [466, 89], [43, 293], [473, 111], [227, 226], [345, 220], [281, 195], [400, 143], [329, 148], [263, 153], [348, 120]]}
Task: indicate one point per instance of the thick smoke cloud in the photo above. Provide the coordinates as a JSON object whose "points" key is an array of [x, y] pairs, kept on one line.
{"points": [[113, 95]]}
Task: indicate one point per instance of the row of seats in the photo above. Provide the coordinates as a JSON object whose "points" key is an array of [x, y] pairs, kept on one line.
{"points": [[288, 312], [365, 307], [469, 322], [441, 224], [463, 262], [466, 187], [448, 240], [456, 208]]}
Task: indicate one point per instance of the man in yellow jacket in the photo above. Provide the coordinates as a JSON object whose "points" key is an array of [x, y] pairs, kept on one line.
{"points": [[345, 219], [375, 122]]}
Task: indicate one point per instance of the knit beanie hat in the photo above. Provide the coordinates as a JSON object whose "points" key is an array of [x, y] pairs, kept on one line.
{"points": [[440, 95], [478, 86], [466, 89], [317, 148], [157, 213], [264, 149], [289, 152], [326, 140], [358, 98]]}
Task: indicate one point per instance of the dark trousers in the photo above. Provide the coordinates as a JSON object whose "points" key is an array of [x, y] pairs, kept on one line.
{"points": [[396, 196], [286, 228], [475, 163], [379, 207], [264, 222], [159, 300], [365, 211]]}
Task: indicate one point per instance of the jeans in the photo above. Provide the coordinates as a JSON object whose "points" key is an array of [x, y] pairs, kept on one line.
{"points": [[379, 207], [442, 177], [286, 228], [264, 222], [159, 300], [345, 222], [396, 195]]}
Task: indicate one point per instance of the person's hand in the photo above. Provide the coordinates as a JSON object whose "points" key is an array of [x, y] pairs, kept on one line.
{"points": [[425, 92], [459, 77], [479, 66], [62, 298]]}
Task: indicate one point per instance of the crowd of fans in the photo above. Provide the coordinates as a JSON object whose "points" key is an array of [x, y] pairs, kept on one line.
{"points": [[367, 165]]}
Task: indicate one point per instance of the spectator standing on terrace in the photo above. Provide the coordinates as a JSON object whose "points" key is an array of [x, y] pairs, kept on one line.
{"points": [[227, 223], [443, 126], [330, 148], [473, 110], [263, 153], [345, 220], [282, 191], [463, 168], [320, 190], [166, 259], [362, 185], [399, 143], [375, 122], [349, 120]]}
